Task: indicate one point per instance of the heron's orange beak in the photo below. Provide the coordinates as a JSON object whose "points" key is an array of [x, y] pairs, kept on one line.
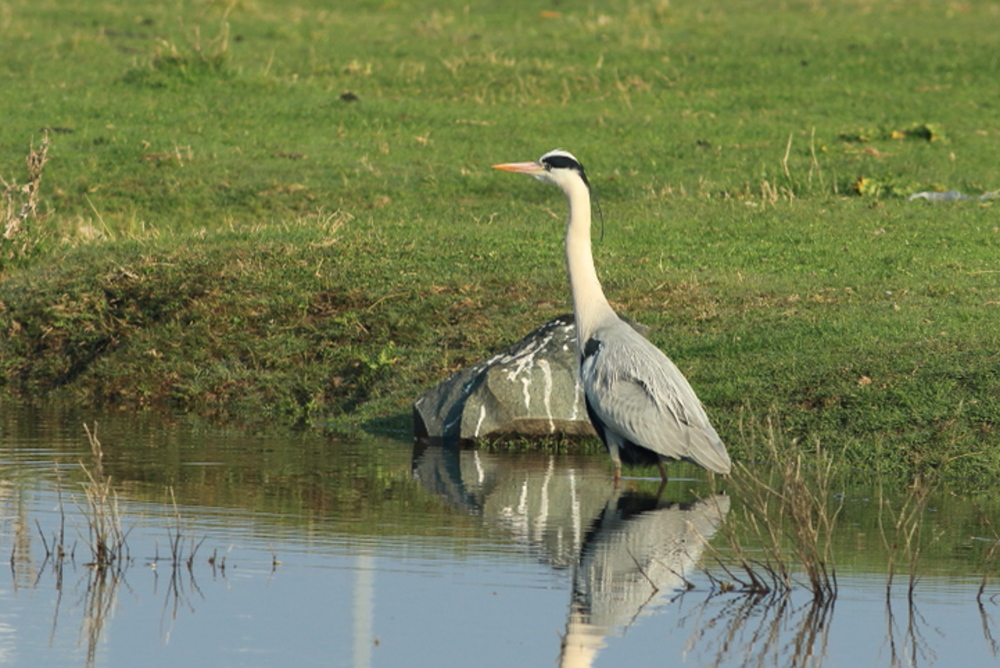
{"points": [[529, 168]]}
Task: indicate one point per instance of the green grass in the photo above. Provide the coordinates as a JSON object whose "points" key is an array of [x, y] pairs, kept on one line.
{"points": [[286, 209]]}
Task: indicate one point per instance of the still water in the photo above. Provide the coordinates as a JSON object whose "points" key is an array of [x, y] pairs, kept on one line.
{"points": [[306, 550]]}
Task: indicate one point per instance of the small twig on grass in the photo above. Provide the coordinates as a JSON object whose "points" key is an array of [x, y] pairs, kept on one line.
{"points": [[784, 160], [814, 166]]}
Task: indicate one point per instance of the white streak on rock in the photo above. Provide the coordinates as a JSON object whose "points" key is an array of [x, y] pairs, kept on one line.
{"points": [[578, 389], [547, 397], [479, 423], [526, 389]]}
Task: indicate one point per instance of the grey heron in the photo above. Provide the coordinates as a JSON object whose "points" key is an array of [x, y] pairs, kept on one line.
{"points": [[640, 404]]}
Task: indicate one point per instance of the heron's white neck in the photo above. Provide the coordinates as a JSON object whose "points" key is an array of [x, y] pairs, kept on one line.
{"points": [[590, 306]]}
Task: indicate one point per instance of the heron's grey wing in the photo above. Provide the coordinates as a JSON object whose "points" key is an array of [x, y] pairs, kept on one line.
{"points": [[640, 394]]}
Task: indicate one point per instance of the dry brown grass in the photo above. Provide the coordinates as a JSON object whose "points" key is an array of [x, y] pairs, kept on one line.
{"points": [[788, 514], [20, 201], [106, 539]]}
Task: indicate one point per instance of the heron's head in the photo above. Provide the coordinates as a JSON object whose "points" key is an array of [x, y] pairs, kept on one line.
{"points": [[557, 167]]}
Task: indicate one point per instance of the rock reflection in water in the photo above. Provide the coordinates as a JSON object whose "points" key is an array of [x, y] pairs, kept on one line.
{"points": [[628, 550], [545, 508]]}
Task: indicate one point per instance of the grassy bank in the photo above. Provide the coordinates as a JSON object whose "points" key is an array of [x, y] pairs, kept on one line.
{"points": [[287, 210]]}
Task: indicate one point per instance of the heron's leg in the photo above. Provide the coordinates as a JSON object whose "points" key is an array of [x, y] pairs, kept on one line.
{"points": [[616, 458], [663, 470]]}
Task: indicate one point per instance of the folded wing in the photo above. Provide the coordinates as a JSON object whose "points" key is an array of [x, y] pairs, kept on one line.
{"points": [[637, 392]]}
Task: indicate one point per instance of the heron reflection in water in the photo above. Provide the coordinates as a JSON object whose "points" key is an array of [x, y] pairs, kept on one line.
{"points": [[629, 550], [639, 552]]}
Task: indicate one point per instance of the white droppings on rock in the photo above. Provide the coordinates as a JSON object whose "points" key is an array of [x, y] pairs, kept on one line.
{"points": [[482, 416], [578, 390], [547, 394]]}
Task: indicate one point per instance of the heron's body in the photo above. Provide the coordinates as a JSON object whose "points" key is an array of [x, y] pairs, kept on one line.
{"points": [[639, 402]]}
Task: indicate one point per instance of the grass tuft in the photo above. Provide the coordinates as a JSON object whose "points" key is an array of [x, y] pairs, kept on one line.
{"points": [[171, 64]]}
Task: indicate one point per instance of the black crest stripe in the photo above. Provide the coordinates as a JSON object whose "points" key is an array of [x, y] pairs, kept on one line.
{"points": [[563, 162], [557, 160]]}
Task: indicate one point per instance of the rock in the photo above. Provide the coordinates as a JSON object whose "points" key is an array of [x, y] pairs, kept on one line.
{"points": [[530, 389]]}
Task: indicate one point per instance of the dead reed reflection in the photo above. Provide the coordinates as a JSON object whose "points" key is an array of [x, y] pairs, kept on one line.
{"points": [[760, 629], [907, 643], [98, 588], [988, 622], [104, 572], [791, 626]]}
